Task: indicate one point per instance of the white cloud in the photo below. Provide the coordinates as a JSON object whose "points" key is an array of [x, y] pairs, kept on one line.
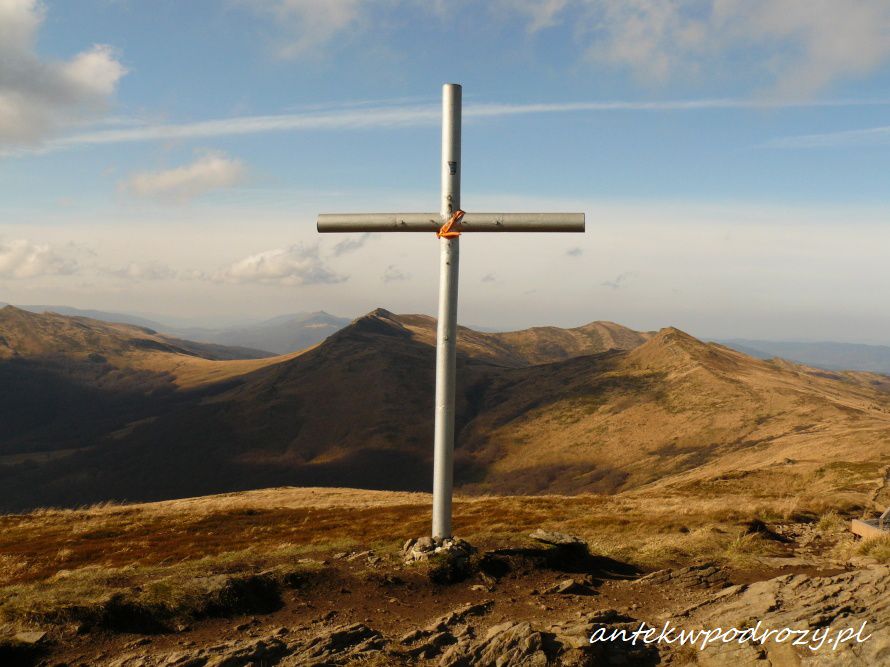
{"points": [[213, 171], [811, 43], [309, 24], [798, 46], [38, 97], [299, 264], [22, 258]]}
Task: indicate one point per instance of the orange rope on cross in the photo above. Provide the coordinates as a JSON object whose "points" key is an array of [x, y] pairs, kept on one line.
{"points": [[448, 230]]}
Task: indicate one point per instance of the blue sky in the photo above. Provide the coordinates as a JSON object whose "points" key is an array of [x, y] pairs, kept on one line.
{"points": [[169, 158]]}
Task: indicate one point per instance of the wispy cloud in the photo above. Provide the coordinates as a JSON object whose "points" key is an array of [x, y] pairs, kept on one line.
{"points": [[306, 25], [351, 243], [620, 280], [392, 274], [870, 136], [575, 252], [388, 116], [212, 171], [140, 271], [796, 46]]}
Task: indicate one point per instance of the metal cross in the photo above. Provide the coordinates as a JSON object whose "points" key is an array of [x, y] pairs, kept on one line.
{"points": [[446, 332]]}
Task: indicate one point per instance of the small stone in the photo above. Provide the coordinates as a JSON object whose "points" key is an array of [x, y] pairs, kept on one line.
{"points": [[568, 587], [30, 637], [557, 539]]}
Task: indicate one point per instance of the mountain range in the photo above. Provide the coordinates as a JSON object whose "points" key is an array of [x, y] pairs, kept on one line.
{"points": [[98, 411], [297, 331], [826, 354], [278, 335]]}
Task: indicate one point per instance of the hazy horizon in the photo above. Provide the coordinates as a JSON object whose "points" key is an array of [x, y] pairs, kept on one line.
{"points": [[233, 322]]}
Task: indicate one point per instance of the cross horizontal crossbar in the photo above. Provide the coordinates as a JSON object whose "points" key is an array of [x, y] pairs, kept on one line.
{"points": [[431, 222]]}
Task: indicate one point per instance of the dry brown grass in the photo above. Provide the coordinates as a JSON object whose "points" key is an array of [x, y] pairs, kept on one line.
{"points": [[158, 562], [877, 548], [678, 414], [123, 346], [153, 594], [189, 372], [831, 523], [638, 528]]}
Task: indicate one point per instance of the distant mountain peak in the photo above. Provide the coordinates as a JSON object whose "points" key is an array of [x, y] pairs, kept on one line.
{"points": [[673, 335], [379, 322]]}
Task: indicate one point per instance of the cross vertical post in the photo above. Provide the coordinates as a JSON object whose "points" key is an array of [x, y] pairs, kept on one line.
{"points": [[449, 256], [446, 329]]}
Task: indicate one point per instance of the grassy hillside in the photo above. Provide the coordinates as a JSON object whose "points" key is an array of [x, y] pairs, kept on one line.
{"points": [[598, 408]]}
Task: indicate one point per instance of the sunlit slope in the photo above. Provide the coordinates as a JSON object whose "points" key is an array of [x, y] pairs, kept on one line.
{"points": [[121, 347], [678, 411], [538, 345]]}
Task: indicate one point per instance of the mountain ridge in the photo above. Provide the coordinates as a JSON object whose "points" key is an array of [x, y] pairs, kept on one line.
{"points": [[356, 410]]}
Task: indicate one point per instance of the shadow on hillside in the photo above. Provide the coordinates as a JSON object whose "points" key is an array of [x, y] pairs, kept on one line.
{"points": [[18, 654], [57, 403], [568, 559]]}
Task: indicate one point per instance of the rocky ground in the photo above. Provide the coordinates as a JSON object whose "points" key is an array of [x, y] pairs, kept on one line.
{"points": [[500, 606]]}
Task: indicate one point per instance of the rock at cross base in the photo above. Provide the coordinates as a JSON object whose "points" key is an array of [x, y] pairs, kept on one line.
{"points": [[427, 547]]}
